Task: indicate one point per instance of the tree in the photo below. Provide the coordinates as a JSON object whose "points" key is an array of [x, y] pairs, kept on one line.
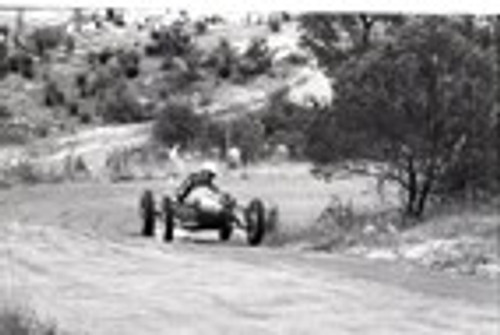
{"points": [[287, 123], [334, 38], [177, 123], [421, 103], [247, 133]]}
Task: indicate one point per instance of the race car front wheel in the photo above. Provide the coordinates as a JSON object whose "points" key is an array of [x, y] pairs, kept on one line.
{"points": [[255, 217]]}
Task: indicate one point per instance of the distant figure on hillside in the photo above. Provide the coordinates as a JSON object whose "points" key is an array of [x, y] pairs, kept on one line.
{"points": [[281, 153], [233, 158], [177, 161]]}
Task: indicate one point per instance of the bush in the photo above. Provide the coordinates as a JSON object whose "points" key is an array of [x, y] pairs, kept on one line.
{"points": [[152, 49], [22, 63], [53, 95], [274, 25], [105, 55], [85, 118], [129, 62], [18, 322], [296, 59], [256, 60], [223, 59], [12, 135], [47, 38], [101, 57], [118, 105], [81, 83], [5, 113], [177, 123], [170, 41], [24, 172], [73, 109], [103, 79], [200, 27]]}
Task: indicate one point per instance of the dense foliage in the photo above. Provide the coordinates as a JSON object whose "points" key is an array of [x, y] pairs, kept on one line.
{"points": [[421, 99]]}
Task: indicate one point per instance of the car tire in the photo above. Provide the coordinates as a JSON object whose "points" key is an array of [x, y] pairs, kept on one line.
{"points": [[255, 218], [147, 208], [168, 219], [226, 230]]}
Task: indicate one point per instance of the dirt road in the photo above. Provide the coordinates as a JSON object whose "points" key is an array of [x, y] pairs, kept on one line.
{"points": [[72, 253]]}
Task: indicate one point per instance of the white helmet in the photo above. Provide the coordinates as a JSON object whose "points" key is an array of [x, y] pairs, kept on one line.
{"points": [[210, 167]]}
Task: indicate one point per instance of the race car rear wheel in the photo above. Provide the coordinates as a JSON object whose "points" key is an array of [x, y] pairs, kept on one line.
{"points": [[147, 207], [168, 219], [255, 217]]}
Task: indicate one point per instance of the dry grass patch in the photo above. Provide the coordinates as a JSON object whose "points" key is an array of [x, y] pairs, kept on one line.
{"points": [[19, 321]]}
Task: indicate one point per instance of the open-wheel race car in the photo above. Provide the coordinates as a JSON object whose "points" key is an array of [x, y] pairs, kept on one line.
{"points": [[193, 217]]}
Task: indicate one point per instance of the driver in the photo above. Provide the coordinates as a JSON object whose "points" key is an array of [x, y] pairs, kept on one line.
{"points": [[199, 189]]}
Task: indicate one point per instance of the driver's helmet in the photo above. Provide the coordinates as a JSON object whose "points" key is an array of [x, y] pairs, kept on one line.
{"points": [[210, 168]]}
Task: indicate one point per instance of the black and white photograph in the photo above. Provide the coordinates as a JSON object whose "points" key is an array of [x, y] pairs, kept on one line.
{"points": [[195, 168]]}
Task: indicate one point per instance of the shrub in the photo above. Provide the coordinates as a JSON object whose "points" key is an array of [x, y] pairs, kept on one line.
{"points": [[296, 59], [24, 172], [177, 123], [53, 95], [274, 25], [105, 55], [12, 135], [286, 17], [18, 322], [200, 27], [101, 57], [172, 41], [47, 38], [118, 104], [73, 108], [5, 113], [223, 59], [256, 60], [129, 62], [152, 49], [85, 118], [103, 79], [81, 84], [22, 63]]}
